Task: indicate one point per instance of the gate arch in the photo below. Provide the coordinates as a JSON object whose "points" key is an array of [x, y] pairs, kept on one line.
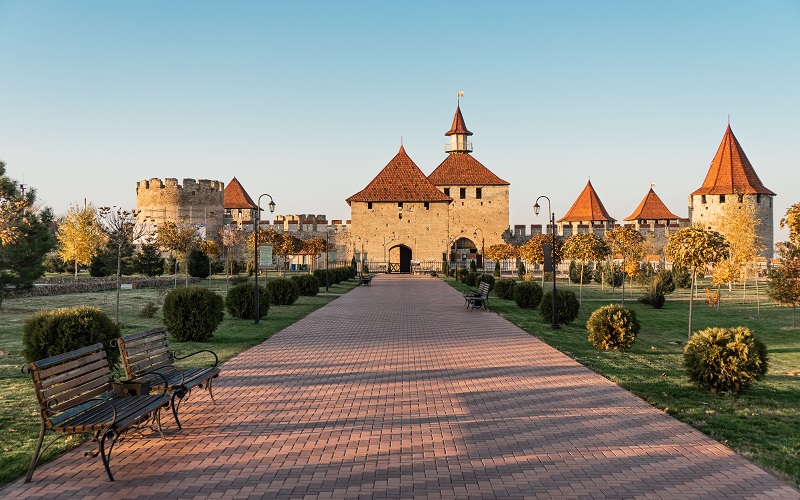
{"points": [[400, 259]]}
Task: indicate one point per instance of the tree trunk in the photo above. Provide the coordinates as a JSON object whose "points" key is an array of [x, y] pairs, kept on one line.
{"points": [[186, 269], [119, 274], [580, 288], [623, 283], [76, 268], [691, 301]]}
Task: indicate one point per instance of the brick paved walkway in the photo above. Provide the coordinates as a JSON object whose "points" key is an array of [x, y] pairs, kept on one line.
{"points": [[396, 390]]}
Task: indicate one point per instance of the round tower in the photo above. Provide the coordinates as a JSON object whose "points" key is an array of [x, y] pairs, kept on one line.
{"points": [[199, 203]]}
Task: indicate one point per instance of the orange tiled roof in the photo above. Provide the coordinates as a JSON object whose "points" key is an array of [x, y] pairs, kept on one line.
{"points": [[235, 196], [652, 208], [461, 169], [459, 127], [587, 208], [400, 180], [731, 171]]}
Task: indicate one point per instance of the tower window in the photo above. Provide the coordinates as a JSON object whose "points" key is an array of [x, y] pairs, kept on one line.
{"points": [[447, 191], [702, 198], [400, 216], [478, 193], [369, 205], [741, 198], [722, 198], [758, 198], [427, 206], [400, 205], [462, 193]]}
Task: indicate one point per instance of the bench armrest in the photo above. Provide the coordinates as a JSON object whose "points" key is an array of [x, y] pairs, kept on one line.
{"points": [[216, 358], [156, 372]]}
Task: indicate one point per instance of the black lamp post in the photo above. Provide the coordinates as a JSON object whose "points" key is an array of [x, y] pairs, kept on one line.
{"points": [[483, 257], [256, 227], [327, 254], [536, 208]]}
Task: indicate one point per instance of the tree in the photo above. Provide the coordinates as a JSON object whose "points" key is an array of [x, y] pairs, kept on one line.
{"points": [[694, 248], [178, 238], [784, 283], [629, 243], [585, 247], [738, 223], [149, 261], [233, 239], [502, 251], [80, 235], [792, 221], [532, 251], [25, 236]]}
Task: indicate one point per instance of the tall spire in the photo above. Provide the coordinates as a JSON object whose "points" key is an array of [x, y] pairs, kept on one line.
{"points": [[458, 133]]}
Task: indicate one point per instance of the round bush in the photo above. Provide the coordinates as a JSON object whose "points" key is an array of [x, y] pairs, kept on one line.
{"points": [[667, 284], [527, 294], [485, 278], [613, 327], [198, 263], [504, 288], [192, 313], [308, 284], [240, 304], [654, 296], [461, 273], [471, 279], [54, 332], [575, 273], [568, 306], [725, 360], [282, 292]]}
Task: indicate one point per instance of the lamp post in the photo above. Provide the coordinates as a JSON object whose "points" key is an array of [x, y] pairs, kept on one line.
{"points": [[483, 257], [256, 227], [536, 208], [327, 254]]}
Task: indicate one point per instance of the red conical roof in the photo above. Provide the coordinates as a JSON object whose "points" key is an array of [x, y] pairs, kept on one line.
{"points": [[464, 170], [459, 127], [652, 208], [587, 208], [731, 171], [400, 180], [235, 196]]}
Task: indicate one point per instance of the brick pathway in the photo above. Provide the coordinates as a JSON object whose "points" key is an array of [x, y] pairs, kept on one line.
{"points": [[396, 390]]}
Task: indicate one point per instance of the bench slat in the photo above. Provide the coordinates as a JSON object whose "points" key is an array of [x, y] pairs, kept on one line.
{"points": [[84, 394], [94, 371], [67, 365]]}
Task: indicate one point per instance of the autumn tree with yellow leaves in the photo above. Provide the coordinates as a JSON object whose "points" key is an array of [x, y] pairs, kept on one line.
{"points": [[585, 248], [627, 242], [532, 251], [80, 235], [694, 248], [178, 238]]}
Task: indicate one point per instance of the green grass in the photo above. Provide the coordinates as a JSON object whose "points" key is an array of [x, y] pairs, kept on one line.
{"points": [[19, 418], [762, 424]]}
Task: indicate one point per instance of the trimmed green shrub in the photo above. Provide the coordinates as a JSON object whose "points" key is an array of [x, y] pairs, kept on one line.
{"points": [[575, 273], [282, 292], [198, 263], [148, 310], [655, 294], [473, 267], [667, 283], [308, 284], [527, 294], [504, 288], [485, 278], [681, 277], [54, 332], [497, 269], [192, 313], [521, 269], [461, 273], [613, 327], [240, 301], [471, 279], [609, 274], [238, 280], [725, 360], [568, 306], [149, 261]]}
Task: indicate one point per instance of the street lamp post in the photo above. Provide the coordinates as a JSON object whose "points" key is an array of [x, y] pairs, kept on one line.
{"points": [[327, 254], [536, 208], [483, 257], [256, 227]]}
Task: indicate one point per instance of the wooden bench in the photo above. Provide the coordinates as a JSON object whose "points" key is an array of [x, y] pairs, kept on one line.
{"points": [[364, 279], [75, 396], [479, 298], [148, 356]]}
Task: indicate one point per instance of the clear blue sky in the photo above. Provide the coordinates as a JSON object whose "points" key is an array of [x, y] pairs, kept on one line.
{"points": [[307, 101]]}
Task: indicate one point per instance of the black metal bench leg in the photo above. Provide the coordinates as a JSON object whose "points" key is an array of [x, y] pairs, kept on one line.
{"points": [[179, 393], [209, 387], [36, 455], [107, 456]]}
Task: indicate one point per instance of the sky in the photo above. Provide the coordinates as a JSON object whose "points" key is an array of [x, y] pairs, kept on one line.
{"points": [[308, 101]]}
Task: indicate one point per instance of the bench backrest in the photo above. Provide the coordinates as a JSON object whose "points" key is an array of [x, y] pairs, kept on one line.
{"points": [[145, 351], [483, 289], [67, 384]]}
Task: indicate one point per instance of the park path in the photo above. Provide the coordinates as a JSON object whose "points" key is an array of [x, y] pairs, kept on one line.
{"points": [[395, 390]]}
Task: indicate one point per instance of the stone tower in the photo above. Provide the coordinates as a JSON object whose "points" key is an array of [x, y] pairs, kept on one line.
{"points": [[586, 215], [199, 203], [479, 212], [731, 178]]}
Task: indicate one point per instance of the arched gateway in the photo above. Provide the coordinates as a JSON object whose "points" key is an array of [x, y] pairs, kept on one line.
{"points": [[400, 259]]}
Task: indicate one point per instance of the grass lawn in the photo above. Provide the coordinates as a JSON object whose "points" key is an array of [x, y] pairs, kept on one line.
{"points": [[19, 418], [762, 424]]}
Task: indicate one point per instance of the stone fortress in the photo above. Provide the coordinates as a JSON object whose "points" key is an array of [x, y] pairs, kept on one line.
{"points": [[403, 218]]}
